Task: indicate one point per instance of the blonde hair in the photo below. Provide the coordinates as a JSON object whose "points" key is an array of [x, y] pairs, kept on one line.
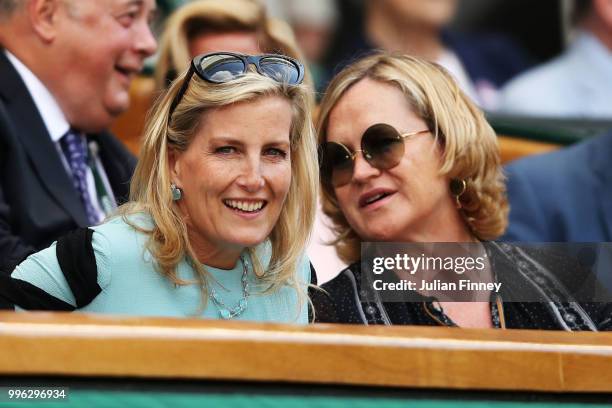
{"points": [[469, 145], [150, 187], [274, 36]]}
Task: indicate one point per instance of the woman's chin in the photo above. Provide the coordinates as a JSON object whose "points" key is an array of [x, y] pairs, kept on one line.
{"points": [[249, 241], [378, 235]]}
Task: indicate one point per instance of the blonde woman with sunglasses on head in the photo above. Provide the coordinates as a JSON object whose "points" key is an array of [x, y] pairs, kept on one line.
{"points": [[222, 203], [406, 157]]}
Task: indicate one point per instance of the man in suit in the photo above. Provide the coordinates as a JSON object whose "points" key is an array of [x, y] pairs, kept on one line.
{"points": [[565, 196], [578, 83], [65, 71]]}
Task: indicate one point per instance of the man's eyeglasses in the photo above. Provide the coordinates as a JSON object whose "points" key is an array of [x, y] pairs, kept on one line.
{"points": [[381, 145], [221, 67]]}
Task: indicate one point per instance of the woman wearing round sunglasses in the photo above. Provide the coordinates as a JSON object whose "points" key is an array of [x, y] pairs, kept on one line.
{"points": [[222, 203], [406, 157]]}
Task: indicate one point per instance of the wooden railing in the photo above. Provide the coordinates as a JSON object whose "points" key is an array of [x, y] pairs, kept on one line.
{"points": [[48, 344], [512, 148]]}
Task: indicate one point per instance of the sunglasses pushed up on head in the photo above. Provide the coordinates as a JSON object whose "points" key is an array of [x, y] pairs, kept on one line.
{"points": [[382, 147], [221, 67]]}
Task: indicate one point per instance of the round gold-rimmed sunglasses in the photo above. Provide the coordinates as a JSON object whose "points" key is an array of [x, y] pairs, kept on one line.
{"points": [[382, 147]]}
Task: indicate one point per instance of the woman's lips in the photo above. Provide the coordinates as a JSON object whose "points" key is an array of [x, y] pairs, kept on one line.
{"points": [[371, 206], [370, 197], [247, 209]]}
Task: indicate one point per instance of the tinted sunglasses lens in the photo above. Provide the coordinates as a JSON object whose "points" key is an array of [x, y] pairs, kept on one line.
{"points": [[280, 69], [221, 68], [383, 145], [336, 165]]}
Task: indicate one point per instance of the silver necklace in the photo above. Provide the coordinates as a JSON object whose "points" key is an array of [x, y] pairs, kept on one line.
{"points": [[230, 312]]}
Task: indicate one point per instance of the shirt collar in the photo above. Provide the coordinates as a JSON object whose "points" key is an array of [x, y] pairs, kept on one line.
{"points": [[49, 110]]}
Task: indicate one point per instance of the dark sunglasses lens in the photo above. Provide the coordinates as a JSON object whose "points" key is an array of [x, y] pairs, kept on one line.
{"points": [[383, 145], [280, 69], [336, 165], [221, 68]]}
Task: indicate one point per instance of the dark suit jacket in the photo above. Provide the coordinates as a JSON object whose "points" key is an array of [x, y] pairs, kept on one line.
{"points": [[38, 202], [564, 196], [493, 58]]}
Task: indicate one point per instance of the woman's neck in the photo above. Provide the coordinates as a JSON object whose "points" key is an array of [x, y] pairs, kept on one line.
{"points": [[386, 32], [447, 226], [214, 256], [218, 260]]}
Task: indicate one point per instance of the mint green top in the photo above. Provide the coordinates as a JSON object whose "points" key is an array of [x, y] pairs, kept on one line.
{"points": [[131, 285]]}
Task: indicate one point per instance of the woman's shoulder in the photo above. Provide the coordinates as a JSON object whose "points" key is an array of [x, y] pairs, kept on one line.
{"points": [[346, 278], [121, 238], [85, 252], [336, 301], [125, 226], [73, 270], [306, 271]]}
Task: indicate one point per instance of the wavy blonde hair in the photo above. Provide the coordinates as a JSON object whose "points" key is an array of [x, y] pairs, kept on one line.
{"points": [[468, 143], [150, 192], [202, 16]]}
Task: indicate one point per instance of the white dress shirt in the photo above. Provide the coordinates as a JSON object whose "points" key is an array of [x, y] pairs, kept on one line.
{"points": [[576, 84]]}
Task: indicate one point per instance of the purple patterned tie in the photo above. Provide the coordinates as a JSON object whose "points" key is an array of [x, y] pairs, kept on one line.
{"points": [[75, 150]]}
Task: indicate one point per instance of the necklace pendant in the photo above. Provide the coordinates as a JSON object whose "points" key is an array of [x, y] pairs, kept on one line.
{"points": [[229, 313]]}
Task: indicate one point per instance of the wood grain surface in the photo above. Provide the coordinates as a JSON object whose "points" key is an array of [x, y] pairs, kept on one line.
{"points": [[429, 357]]}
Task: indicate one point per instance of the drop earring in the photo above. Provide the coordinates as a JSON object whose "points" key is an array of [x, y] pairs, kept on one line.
{"points": [[177, 193], [457, 188]]}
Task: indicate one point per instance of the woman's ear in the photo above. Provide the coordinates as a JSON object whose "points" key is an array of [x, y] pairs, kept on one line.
{"points": [[174, 166]]}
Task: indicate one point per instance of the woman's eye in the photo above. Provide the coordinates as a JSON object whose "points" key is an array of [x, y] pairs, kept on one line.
{"points": [[276, 153], [225, 150]]}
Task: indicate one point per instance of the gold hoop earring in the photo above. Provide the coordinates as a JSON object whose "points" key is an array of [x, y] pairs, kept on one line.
{"points": [[457, 188]]}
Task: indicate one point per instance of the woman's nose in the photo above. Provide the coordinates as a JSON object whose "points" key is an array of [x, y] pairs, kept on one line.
{"points": [[362, 169], [251, 178]]}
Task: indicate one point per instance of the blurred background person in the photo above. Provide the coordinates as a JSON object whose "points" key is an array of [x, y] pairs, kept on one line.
{"points": [[564, 196], [422, 165], [314, 23], [480, 63], [577, 83], [205, 26], [221, 206], [65, 73]]}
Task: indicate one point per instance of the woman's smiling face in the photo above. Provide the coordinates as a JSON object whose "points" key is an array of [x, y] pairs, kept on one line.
{"points": [[235, 176]]}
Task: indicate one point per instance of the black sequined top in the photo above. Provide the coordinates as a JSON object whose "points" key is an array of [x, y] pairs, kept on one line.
{"points": [[344, 299]]}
